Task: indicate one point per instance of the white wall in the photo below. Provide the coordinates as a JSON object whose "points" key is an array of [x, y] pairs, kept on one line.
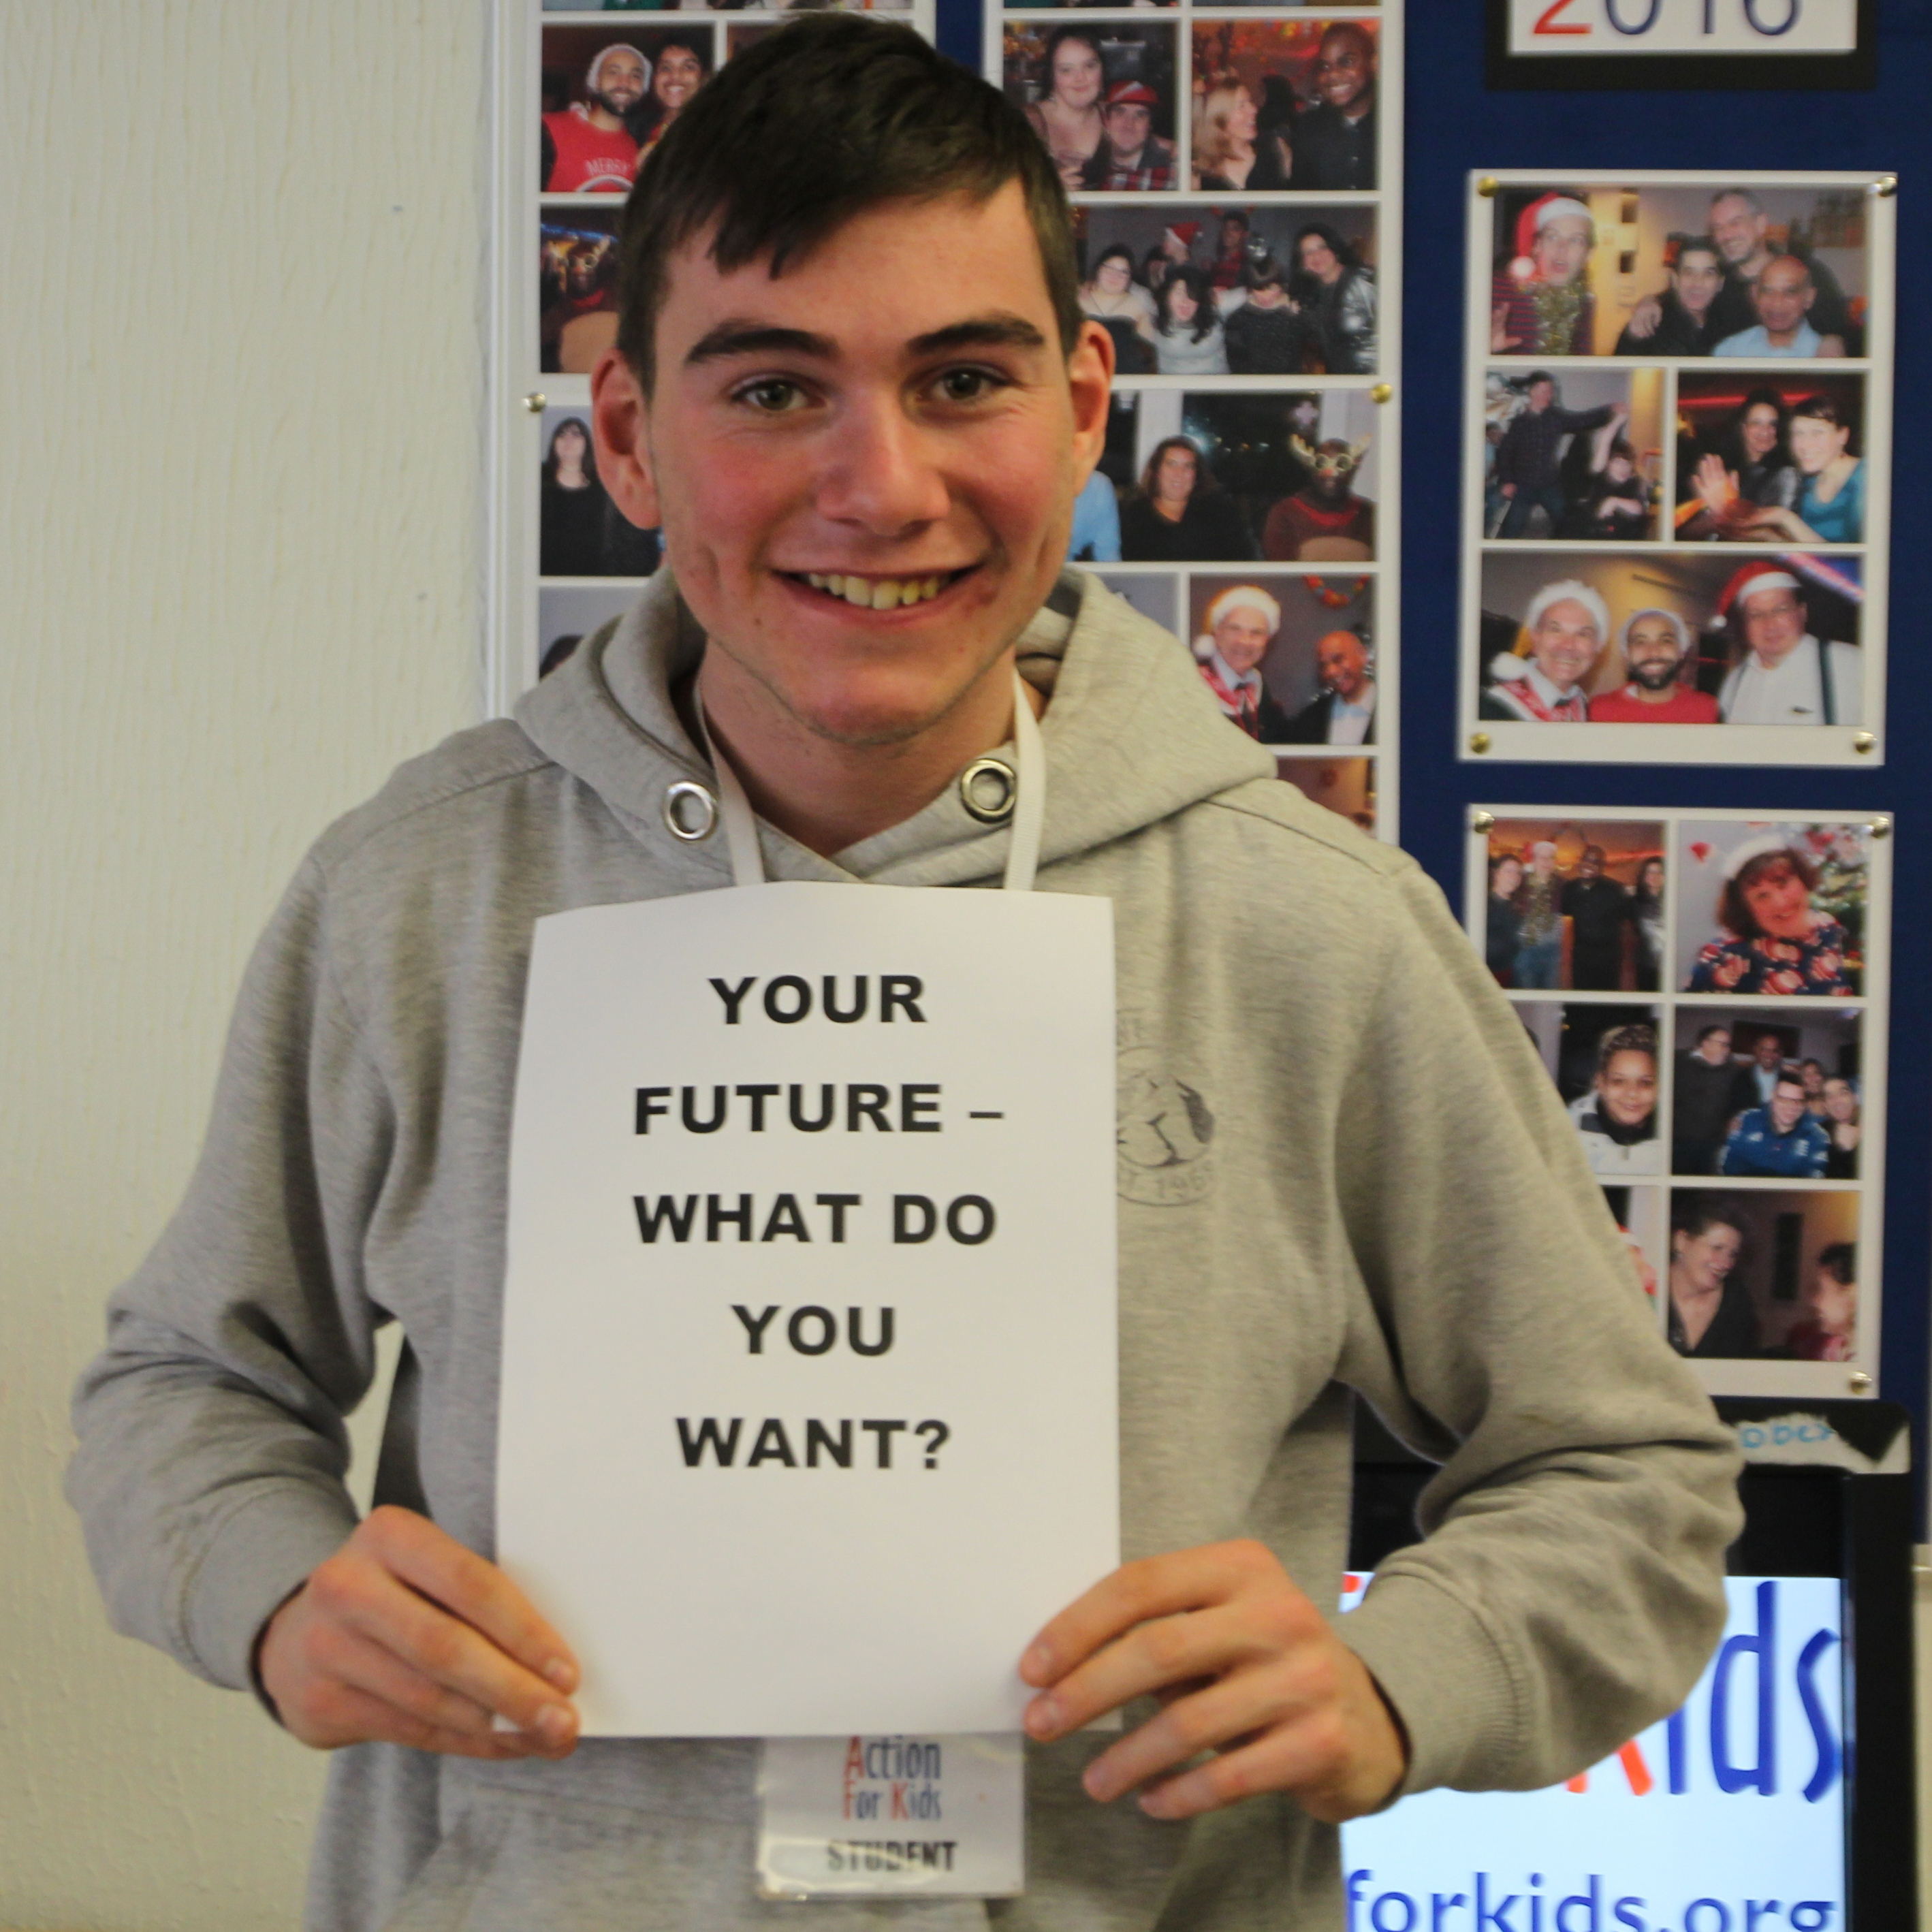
{"points": [[241, 388]]}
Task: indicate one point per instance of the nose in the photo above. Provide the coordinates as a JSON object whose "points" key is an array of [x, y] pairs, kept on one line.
{"points": [[881, 473]]}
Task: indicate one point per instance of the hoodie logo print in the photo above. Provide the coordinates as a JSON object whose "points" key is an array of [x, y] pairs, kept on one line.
{"points": [[1164, 1129]]}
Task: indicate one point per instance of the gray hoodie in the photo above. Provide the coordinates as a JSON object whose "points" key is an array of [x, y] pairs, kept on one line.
{"points": [[1341, 1167]]}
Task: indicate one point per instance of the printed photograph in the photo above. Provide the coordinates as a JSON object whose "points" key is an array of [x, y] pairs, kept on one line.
{"points": [[1290, 659], [1156, 595], [1642, 1215], [566, 615], [1658, 637], [1277, 476], [1101, 96], [1258, 290], [1766, 1274], [1604, 1060], [608, 97], [1344, 786], [1749, 270], [1574, 456], [580, 532], [1772, 907], [577, 288], [1772, 1094], [1284, 104], [1576, 907], [1765, 456]]}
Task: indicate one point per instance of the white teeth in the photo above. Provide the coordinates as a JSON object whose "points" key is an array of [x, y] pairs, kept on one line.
{"points": [[876, 593]]}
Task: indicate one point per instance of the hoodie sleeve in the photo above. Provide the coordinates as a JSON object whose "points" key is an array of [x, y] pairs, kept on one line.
{"points": [[209, 1472], [1569, 1587]]}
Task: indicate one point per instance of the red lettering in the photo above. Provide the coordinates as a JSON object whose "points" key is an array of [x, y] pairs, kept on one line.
{"points": [[898, 1802], [1547, 20]]}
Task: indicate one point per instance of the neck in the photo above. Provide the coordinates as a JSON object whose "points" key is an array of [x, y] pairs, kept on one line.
{"points": [[1648, 694], [600, 117], [1783, 338], [827, 794]]}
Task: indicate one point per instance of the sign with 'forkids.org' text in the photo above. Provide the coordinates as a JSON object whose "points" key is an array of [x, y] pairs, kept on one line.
{"points": [[808, 1412], [1729, 1817]]}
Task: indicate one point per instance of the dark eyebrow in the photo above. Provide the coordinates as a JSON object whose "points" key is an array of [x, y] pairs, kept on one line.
{"points": [[752, 338], [989, 331]]}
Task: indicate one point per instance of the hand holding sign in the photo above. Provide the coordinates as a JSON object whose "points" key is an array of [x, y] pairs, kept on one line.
{"points": [[1249, 1668], [404, 1637]]}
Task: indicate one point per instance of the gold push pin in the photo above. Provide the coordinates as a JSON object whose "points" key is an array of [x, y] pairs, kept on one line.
{"points": [[1487, 186], [535, 401], [1879, 827], [1479, 741], [1482, 821], [1382, 392], [1864, 741]]}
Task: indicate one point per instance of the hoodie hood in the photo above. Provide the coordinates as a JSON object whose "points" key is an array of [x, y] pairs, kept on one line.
{"points": [[1131, 733]]}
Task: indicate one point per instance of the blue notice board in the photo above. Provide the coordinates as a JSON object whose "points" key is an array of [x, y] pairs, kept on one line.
{"points": [[1456, 124]]}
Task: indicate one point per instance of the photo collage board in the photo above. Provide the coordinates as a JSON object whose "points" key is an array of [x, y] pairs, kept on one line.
{"points": [[586, 93], [1677, 468], [1707, 991], [1235, 172]]}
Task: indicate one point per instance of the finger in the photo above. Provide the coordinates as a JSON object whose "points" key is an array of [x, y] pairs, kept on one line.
{"points": [[368, 1599], [1283, 1759], [1204, 1643], [430, 1560], [1155, 1586], [361, 1664], [363, 1718], [1243, 1705]]}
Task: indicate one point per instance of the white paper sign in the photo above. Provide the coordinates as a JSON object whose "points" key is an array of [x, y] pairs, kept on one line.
{"points": [[809, 1411], [1683, 26], [935, 1817]]}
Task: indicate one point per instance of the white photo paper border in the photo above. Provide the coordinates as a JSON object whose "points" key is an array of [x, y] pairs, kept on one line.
{"points": [[1490, 740], [1384, 385], [1859, 1377], [516, 391]]}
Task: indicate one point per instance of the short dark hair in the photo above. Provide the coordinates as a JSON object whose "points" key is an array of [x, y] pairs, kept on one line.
{"points": [[1822, 408], [1716, 1026], [829, 115], [1692, 1215], [1696, 244], [1841, 1262], [1331, 238]]}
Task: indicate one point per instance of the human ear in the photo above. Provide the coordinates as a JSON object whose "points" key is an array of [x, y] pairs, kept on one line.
{"points": [[1089, 378], [620, 415]]}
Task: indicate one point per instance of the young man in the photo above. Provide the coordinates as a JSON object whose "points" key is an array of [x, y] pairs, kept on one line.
{"points": [[1681, 321], [1335, 140], [1781, 1140], [865, 505], [1131, 154], [1528, 459], [588, 148], [1655, 645], [1344, 711]]}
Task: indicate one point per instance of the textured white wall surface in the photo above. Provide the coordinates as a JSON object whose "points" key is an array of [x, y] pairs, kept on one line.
{"points": [[241, 381]]}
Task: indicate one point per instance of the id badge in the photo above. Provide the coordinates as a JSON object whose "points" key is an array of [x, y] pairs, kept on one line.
{"points": [[878, 1816]]}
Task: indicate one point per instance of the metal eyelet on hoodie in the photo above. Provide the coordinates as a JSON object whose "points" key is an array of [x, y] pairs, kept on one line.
{"points": [[989, 789], [690, 811]]}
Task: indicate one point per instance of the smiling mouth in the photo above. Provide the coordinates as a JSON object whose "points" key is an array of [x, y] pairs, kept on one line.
{"points": [[879, 593]]}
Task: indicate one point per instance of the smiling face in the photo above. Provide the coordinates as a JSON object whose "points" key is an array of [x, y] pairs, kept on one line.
{"points": [[1767, 1052], [1181, 307], [679, 76], [1242, 638], [1700, 1262], [1343, 663], [1627, 1087], [1738, 228], [1345, 69], [1777, 898], [1815, 442], [1565, 642], [1715, 1046], [1787, 1103], [1651, 647], [1697, 278], [1508, 876], [1759, 430], [1112, 276], [1077, 74], [1841, 1104], [1562, 248], [1173, 477], [1318, 259], [1773, 623], [618, 84], [864, 502], [1783, 295]]}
